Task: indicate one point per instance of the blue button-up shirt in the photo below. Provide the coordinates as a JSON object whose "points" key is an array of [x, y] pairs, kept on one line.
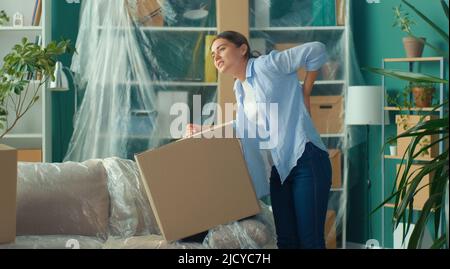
{"points": [[274, 80]]}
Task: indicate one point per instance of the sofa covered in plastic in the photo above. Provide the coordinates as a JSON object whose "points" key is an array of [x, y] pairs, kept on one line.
{"points": [[102, 204]]}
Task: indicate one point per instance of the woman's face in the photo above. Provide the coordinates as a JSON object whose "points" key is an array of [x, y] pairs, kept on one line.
{"points": [[227, 57]]}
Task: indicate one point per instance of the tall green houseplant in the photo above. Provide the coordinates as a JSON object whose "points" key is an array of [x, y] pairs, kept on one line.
{"points": [[26, 69], [408, 182]]}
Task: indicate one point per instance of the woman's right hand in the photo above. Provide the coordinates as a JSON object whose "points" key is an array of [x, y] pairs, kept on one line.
{"points": [[191, 129]]}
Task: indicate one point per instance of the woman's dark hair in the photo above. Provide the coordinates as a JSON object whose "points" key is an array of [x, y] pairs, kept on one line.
{"points": [[237, 39]]}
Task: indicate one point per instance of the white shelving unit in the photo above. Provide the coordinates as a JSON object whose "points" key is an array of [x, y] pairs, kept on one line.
{"points": [[339, 34], [33, 130], [420, 111]]}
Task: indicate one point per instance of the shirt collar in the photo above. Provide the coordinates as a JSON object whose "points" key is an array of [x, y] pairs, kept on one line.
{"points": [[249, 70]]}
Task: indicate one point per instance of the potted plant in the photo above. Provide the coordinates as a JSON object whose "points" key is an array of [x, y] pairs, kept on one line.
{"points": [[26, 66], [413, 45], [423, 93], [392, 146], [3, 17]]}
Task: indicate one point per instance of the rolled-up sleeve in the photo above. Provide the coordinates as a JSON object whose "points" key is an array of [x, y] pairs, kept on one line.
{"points": [[311, 56]]}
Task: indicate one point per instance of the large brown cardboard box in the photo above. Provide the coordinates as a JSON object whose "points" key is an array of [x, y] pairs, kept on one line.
{"points": [[8, 190], [327, 114], [335, 159], [29, 155], [421, 196], [301, 73], [195, 184], [330, 230], [405, 122]]}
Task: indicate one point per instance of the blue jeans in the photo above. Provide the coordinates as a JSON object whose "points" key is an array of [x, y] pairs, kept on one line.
{"points": [[300, 204]]}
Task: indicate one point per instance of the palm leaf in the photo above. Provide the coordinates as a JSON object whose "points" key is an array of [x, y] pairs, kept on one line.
{"points": [[419, 228], [409, 76], [427, 20], [444, 7]]}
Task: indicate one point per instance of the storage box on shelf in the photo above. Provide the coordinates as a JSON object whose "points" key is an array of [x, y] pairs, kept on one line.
{"points": [[423, 189], [327, 114], [405, 122]]}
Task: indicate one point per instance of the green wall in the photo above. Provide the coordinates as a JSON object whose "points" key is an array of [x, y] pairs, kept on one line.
{"points": [[375, 38], [64, 25]]}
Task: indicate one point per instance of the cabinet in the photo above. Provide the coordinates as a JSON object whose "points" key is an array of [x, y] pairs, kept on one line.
{"points": [[286, 23], [33, 131], [405, 117]]}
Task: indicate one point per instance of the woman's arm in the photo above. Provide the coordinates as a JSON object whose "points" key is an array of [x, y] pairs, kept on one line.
{"points": [[308, 84], [310, 56]]}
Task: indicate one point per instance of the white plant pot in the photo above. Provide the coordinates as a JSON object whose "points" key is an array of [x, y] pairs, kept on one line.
{"points": [[393, 150]]}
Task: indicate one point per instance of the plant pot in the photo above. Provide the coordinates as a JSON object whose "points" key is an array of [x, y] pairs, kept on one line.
{"points": [[413, 46], [423, 96], [393, 150]]}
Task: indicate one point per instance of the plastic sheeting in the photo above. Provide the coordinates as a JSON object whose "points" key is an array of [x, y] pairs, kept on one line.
{"points": [[130, 72], [62, 205], [133, 64]]}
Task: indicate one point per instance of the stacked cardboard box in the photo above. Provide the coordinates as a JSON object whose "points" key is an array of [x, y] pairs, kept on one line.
{"points": [[327, 114], [405, 122], [421, 196], [335, 159]]}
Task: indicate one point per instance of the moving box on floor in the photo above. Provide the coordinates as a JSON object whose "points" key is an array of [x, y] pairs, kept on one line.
{"points": [[196, 183]]}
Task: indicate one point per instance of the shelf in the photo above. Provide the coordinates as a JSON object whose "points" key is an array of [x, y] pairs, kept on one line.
{"points": [[399, 158], [327, 82], [299, 28], [165, 29], [185, 83], [23, 136], [332, 135], [23, 141], [176, 83], [418, 59], [415, 208], [337, 189], [24, 28], [391, 108]]}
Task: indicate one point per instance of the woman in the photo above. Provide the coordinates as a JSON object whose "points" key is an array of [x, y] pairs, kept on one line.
{"points": [[299, 166]]}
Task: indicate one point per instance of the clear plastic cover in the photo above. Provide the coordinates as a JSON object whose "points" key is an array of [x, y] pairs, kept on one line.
{"points": [[102, 204]]}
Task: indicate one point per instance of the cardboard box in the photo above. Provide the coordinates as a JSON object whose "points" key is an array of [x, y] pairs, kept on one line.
{"points": [[330, 230], [29, 155], [340, 12], [195, 184], [405, 122], [421, 197], [149, 12], [231, 15], [8, 190], [301, 73], [335, 158], [327, 114]]}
